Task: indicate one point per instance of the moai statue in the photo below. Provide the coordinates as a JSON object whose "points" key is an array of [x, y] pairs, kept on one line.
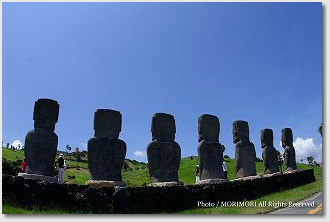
{"points": [[210, 151], [269, 153], [164, 154], [106, 153], [245, 153], [289, 151], [41, 142]]}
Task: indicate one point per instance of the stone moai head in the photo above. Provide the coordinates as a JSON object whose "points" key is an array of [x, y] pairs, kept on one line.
{"points": [[107, 123], [163, 127], [240, 131], [267, 138], [208, 128], [45, 114], [287, 137]]}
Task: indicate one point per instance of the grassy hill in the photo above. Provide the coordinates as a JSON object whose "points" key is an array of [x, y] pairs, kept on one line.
{"points": [[138, 175]]}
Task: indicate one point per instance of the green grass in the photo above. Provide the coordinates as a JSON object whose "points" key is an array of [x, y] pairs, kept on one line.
{"points": [[187, 169], [293, 195], [136, 177], [7, 209], [140, 177], [77, 164], [12, 155], [80, 175]]}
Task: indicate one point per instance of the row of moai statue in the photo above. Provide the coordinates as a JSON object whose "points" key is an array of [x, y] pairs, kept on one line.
{"points": [[106, 152]]}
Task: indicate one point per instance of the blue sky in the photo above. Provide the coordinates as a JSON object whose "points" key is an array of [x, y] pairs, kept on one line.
{"points": [[259, 62]]}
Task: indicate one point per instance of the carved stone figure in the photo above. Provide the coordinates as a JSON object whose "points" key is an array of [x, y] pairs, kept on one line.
{"points": [[289, 151], [41, 142], [245, 153], [210, 151], [106, 153], [269, 153], [164, 154]]}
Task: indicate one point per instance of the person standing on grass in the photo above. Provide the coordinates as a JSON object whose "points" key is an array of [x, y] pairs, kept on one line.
{"points": [[197, 173], [61, 169], [224, 167], [23, 165]]}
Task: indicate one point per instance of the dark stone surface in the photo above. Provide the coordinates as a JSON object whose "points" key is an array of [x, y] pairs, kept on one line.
{"points": [[45, 113], [269, 153], [210, 151], [106, 154], [164, 154], [81, 198], [208, 128], [289, 151], [163, 127], [41, 142], [164, 161], [245, 153], [107, 123]]}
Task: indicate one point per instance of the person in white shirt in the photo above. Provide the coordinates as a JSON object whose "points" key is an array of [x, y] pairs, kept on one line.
{"points": [[224, 167]]}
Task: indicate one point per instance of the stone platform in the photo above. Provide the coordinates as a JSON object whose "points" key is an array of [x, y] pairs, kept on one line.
{"points": [[212, 181], [147, 199], [105, 183], [38, 177], [293, 171], [166, 184]]}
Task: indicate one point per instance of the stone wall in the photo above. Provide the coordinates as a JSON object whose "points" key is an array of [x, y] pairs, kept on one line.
{"points": [[82, 198]]}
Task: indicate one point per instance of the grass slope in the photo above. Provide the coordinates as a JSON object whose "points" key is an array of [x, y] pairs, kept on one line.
{"points": [[7, 209], [140, 177], [293, 195], [78, 172], [12, 155]]}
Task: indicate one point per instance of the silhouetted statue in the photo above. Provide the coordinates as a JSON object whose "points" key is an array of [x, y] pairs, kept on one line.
{"points": [[210, 151], [41, 142], [245, 153], [269, 153], [289, 151], [106, 153], [164, 154]]}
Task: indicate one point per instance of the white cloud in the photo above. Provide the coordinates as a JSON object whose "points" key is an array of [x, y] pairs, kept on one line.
{"points": [[139, 153], [83, 146], [305, 148], [16, 143]]}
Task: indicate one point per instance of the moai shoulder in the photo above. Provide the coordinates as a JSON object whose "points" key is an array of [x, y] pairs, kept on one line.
{"points": [[245, 153]]}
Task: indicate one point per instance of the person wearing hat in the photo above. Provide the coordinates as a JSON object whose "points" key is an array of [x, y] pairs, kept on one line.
{"points": [[61, 169]]}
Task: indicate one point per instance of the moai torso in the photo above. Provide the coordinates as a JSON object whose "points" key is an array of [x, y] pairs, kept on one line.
{"points": [[289, 151], [106, 153], [210, 151], [245, 153], [269, 153], [41, 142], [164, 154]]}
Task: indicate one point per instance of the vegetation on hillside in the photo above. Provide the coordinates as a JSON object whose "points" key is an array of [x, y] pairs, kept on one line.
{"points": [[136, 174]]}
